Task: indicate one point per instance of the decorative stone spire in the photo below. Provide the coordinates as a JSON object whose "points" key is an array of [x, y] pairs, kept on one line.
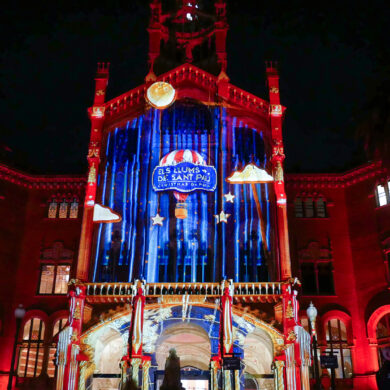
{"points": [[189, 33]]}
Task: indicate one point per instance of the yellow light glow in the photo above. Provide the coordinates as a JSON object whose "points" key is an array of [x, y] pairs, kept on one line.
{"points": [[160, 94]]}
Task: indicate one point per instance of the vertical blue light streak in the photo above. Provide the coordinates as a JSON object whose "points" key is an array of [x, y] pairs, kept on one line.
{"points": [[98, 243], [135, 200], [153, 240], [236, 190], [224, 162], [216, 211]]}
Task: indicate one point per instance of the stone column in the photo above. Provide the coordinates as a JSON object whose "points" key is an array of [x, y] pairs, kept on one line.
{"points": [[145, 374], [135, 365], [214, 365], [278, 374], [227, 383], [237, 380]]}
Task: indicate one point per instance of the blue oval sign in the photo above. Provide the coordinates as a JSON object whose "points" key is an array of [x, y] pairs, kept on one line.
{"points": [[184, 177]]}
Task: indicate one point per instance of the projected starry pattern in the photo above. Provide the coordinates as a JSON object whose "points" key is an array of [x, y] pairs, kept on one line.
{"points": [[150, 242]]}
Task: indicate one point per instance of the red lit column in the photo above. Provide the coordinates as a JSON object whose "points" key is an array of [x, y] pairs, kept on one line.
{"points": [[135, 359], [96, 114], [277, 158], [73, 353], [292, 351]]}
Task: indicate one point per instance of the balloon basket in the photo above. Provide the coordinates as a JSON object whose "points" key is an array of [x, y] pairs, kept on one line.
{"points": [[181, 211]]}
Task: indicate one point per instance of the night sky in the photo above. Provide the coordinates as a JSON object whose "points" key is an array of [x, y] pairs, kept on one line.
{"points": [[332, 60]]}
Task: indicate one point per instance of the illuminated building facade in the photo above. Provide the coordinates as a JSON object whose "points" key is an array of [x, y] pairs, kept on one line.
{"points": [[184, 241]]}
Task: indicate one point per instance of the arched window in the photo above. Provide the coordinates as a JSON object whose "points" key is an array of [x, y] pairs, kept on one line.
{"points": [[57, 328], [31, 348], [309, 208], [298, 208], [52, 211], [336, 341]]}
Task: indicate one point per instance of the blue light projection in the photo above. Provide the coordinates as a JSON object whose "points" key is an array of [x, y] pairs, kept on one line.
{"points": [[197, 248]]}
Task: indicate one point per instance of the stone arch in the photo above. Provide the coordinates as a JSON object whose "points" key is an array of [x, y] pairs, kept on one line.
{"points": [[374, 320], [109, 352], [258, 353], [163, 322], [376, 348], [339, 315], [192, 344]]}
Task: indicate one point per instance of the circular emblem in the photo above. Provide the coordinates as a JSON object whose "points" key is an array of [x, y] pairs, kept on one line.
{"points": [[160, 94]]}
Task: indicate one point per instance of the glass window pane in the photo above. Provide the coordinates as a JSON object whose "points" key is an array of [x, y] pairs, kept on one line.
{"points": [[383, 328], [298, 208], [334, 330], [52, 212], [382, 200], [347, 363], [32, 356], [61, 286], [26, 330], [309, 283], [343, 331], [47, 279], [320, 208], [63, 209], [22, 361], [31, 353], [74, 209], [58, 326], [325, 279], [309, 208], [37, 330], [51, 369], [40, 360]]}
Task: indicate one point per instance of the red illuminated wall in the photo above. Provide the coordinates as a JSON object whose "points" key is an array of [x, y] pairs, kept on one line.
{"points": [[25, 232], [354, 233]]}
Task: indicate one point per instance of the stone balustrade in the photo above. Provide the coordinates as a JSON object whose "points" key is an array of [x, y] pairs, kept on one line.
{"points": [[123, 292]]}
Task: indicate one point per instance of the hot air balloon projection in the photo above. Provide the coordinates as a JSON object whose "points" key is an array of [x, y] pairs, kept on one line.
{"points": [[173, 159]]}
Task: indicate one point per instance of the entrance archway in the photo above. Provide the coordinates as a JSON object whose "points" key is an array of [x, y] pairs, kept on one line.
{"points": [[258, 358], [192, 345], [193, 330], [191, 342]]}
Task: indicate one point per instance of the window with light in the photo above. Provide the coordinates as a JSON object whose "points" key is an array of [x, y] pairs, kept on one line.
{"points": [[383, 338], [31, 348], [383, 193], [52, 211], [63, 209], [54, 279], [337, 344]]}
